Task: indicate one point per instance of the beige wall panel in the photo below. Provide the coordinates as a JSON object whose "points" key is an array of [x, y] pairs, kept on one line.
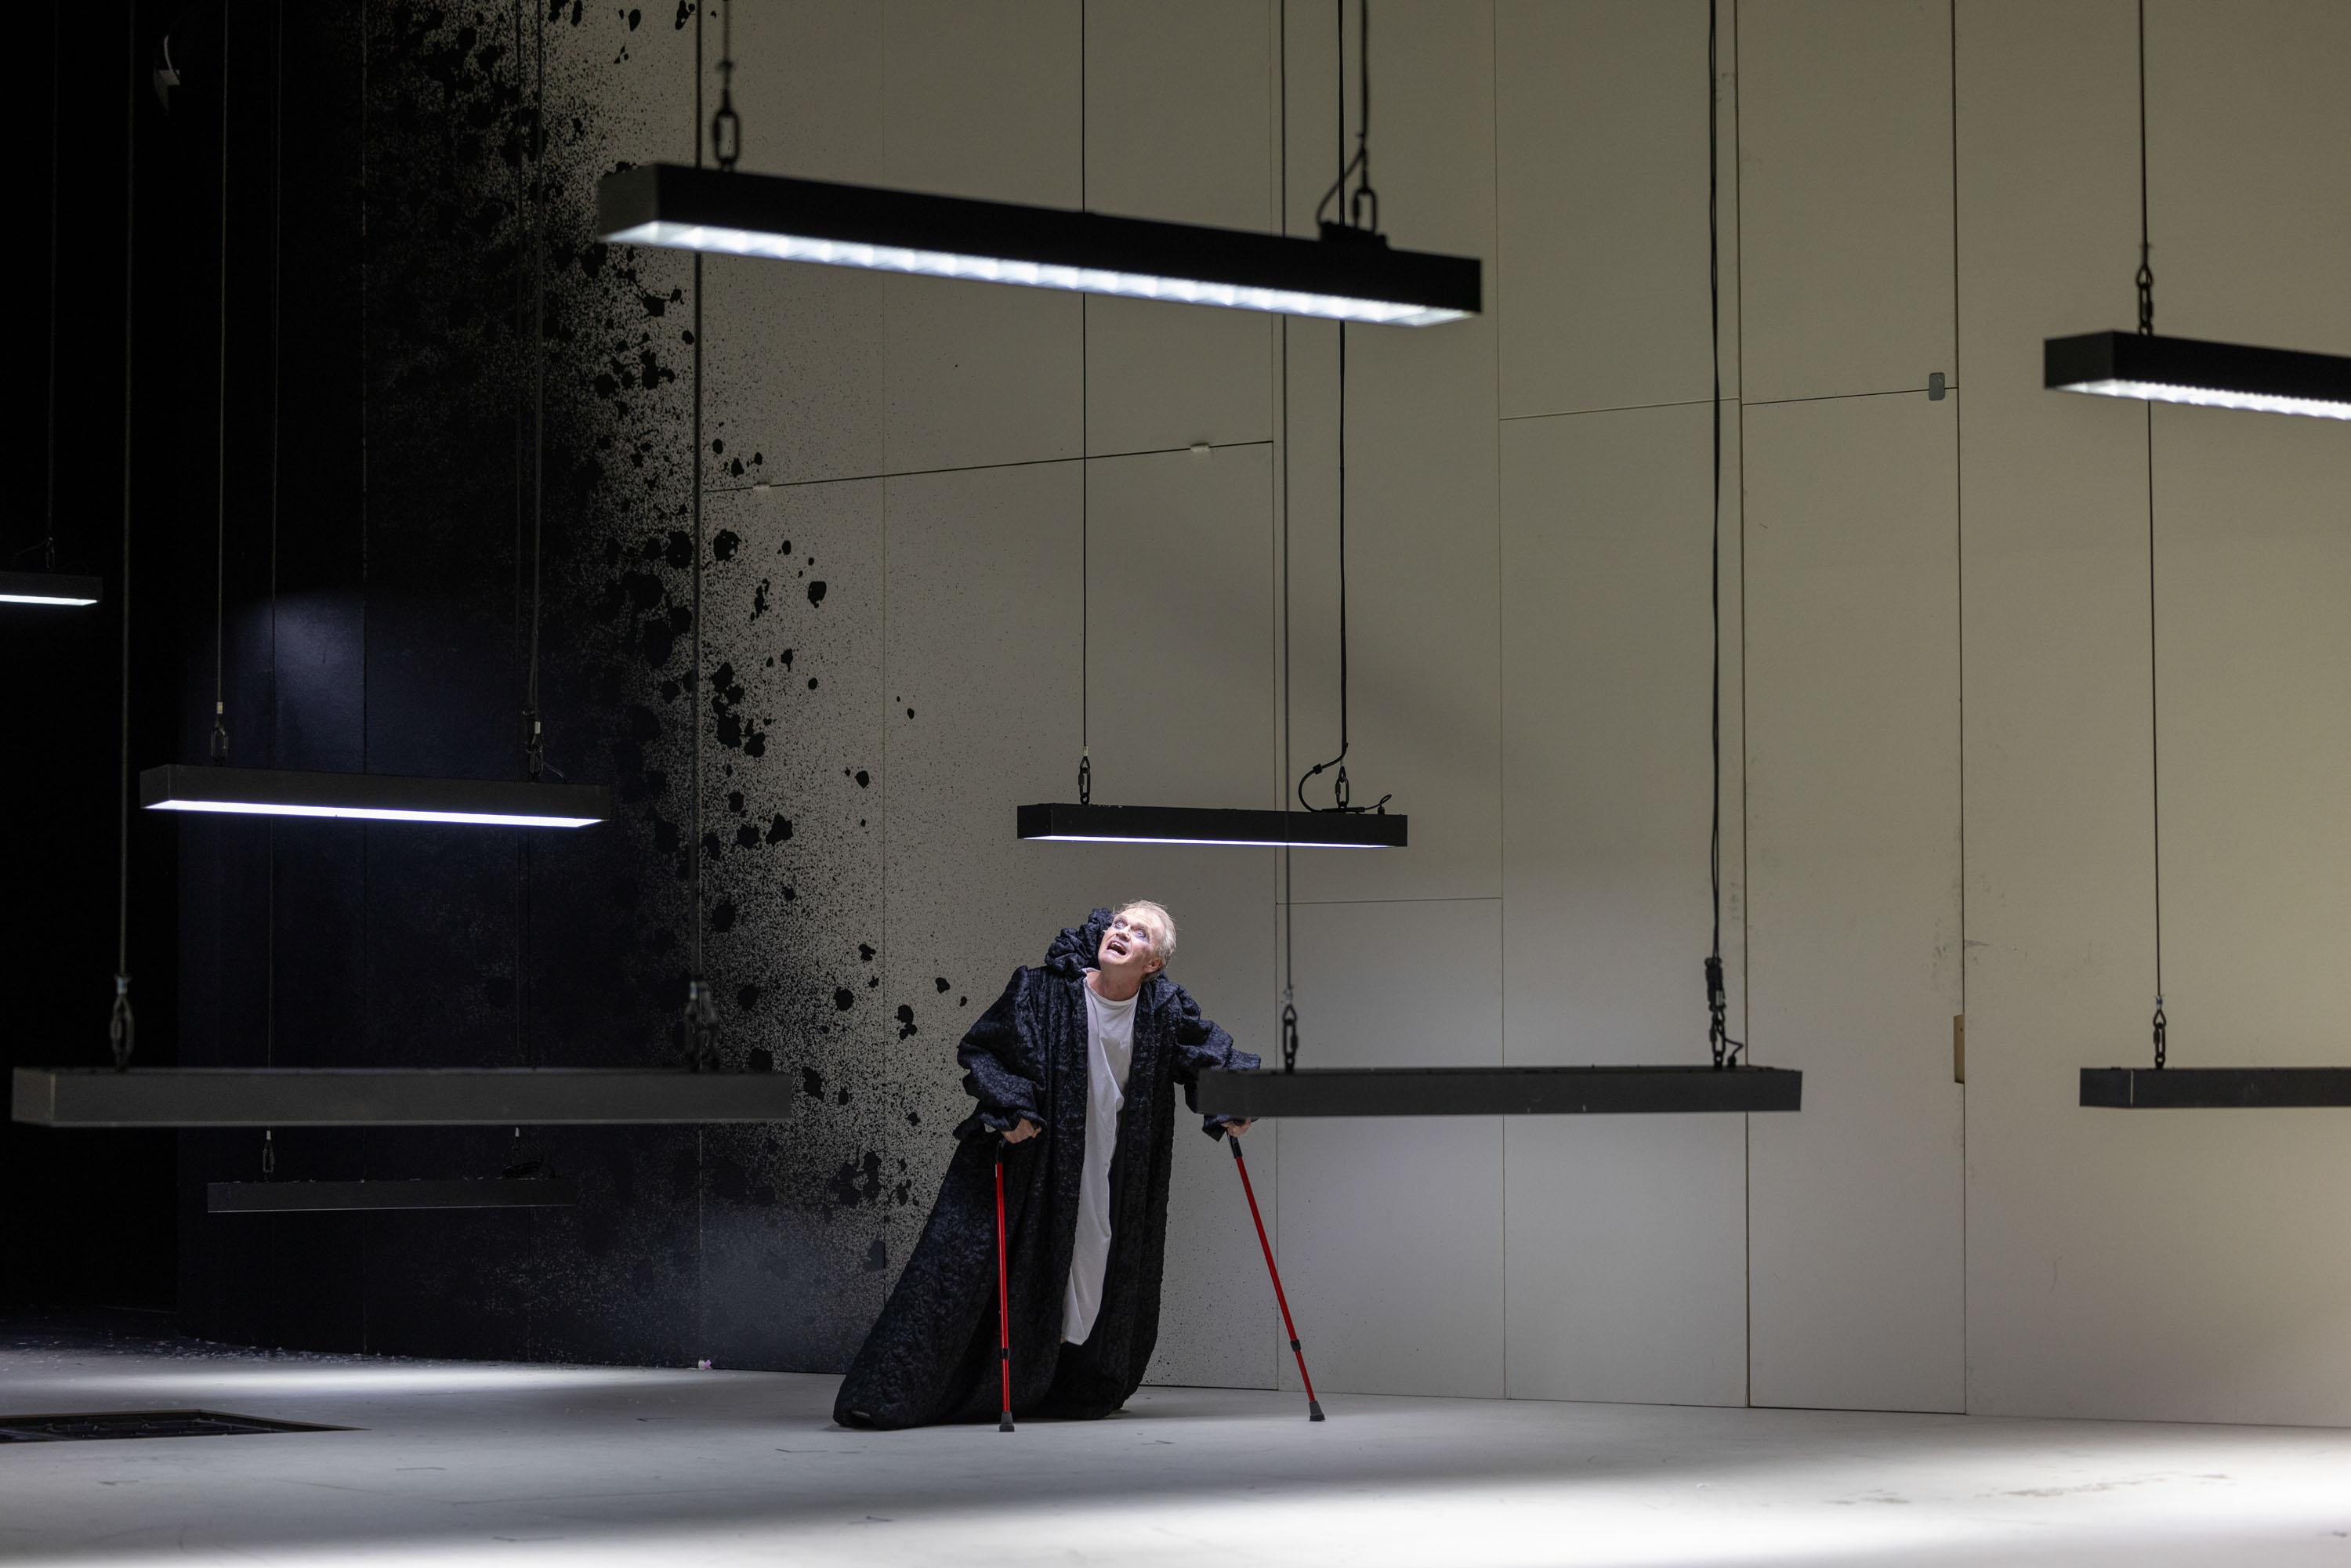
{"points": [[1627, 1250], [1845, 127], [980, 100], [1421, 462], [793, 354], [1601, 173], [2248, 178], [1184, 676], [1391, 1228], [983, 601], [2253, 650], [1627, 1239], [1179, 126], [2101, 1245], [1855, 1207]]}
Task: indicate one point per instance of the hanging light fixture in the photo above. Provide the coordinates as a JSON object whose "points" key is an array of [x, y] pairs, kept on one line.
{"points": [[367, 797], [1342, 276], [48, 585], [47, 588], [372, 797], [2189, 369], [1349, 274], [1084, 822], [2209, 375]]}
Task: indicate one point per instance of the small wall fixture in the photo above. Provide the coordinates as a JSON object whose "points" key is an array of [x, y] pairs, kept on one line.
{"points": [[1069, 822], [2191, 371], [46, 588], [1347, 275], [374, 797]]}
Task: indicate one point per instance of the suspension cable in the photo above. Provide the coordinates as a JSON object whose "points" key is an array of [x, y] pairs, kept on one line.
{"points": [[1289, 876], [697, 1027], [534, 734], [2159, 1025], [220, 448], [1085, 478], [2145, 278], [1721, 1046], [57, 132], [122, 1029]]}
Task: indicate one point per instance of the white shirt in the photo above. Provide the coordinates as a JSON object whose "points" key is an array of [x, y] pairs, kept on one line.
{"points": [[1110, 1047]]}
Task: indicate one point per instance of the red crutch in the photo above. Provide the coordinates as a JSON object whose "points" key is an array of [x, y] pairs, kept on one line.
{"points": [[1003, 1297], [1313, 1406]]}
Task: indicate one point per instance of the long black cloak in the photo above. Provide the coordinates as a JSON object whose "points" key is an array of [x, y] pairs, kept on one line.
{"points": [[931, 1356]]}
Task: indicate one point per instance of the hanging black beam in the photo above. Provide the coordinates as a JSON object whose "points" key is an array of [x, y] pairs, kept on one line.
{"points": [[2214, 1088], [395, 1097], [2193, 371], [1346, 276], [56, 588], [1068, 822], [374, 797], [344, 1197], [1500, 1091]]}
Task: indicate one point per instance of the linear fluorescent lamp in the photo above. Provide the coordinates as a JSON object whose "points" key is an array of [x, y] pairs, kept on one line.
{"points": [[372, 797], [2191, 371], [1067, 823], [1351, 278], [46, 588]]}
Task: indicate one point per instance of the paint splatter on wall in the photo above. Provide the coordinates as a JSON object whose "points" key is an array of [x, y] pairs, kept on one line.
{"points": [[751, 1246]]}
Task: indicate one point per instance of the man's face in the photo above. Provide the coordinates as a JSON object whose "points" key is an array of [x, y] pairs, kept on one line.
{"points": [[1129, 950]]}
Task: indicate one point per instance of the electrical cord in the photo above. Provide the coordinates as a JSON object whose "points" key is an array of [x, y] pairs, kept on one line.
{"points": [[1340, 794]]}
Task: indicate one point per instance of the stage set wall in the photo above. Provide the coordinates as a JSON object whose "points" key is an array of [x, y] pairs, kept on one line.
{"points": [[1937, 756]]}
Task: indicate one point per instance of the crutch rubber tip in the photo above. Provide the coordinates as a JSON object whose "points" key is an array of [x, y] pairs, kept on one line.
{"points": [[1004, 1422], [1314, 1410]]}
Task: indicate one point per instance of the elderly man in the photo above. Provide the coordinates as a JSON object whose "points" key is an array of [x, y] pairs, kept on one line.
{"points": [[1074, 1067]]}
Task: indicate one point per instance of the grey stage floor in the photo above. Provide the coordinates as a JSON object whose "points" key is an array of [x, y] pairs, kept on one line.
{"points": [[456, 1463]]}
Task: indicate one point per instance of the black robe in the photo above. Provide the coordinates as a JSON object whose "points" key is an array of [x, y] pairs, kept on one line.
{"points": [[931, 1356]]}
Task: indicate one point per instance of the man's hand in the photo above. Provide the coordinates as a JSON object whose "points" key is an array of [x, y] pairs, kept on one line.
{"points": [[1023, 1133], [1235, 1129]]}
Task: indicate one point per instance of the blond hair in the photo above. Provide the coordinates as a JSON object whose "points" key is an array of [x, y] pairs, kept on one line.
{"points": [[1162, 924]]}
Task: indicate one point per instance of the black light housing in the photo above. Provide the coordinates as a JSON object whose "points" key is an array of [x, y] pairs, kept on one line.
{"points": [[395, 1096], [374, 797], [1500, 1091], [47, 588], [2193, 371], [2213, 1088], [1069, 822], [1346, 276]]}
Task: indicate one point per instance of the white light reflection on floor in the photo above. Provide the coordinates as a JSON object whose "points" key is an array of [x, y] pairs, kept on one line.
{"points": [[458, 1464]]}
